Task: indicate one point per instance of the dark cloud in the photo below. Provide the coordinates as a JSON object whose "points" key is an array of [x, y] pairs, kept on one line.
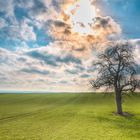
{"points": [[34, 71], [138, 69], [72, 71], [38, 8], [53, 59], [48, 59], [80, 67], [85, 76], [33, 6], [58, 26], [106, 26], [104, 22], [59, 23], [81, 24], [56, 5], [22, 59]]}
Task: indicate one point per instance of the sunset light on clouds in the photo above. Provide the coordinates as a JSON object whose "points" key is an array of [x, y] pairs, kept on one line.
{"points": [[51, 45]]}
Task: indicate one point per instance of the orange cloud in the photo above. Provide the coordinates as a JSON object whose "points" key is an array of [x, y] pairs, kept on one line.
{"points": [[97, 34]]}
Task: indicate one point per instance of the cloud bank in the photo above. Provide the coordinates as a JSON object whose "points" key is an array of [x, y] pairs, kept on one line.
{"points": [[51, 45]]}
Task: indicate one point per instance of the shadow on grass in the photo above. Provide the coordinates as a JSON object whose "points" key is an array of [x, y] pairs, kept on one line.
{"points": [[125, 114], [127, 124]]}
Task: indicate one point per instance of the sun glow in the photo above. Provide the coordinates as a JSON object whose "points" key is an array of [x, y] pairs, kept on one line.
{"points": [[82, 14]]}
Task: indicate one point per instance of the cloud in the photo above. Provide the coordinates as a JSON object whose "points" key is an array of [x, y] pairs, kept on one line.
{"points": [[102, 30], [2, 23], [85, 76], [24, 4], [34, 71], [136, 45], [53, 59], [66, 63], [27, 32], [11, 27], [106, 26], [51, 16], [7, 6], [22, 32]]}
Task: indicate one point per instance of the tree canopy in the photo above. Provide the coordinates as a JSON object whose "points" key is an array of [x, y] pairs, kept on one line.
{"points": [[117, 70]]}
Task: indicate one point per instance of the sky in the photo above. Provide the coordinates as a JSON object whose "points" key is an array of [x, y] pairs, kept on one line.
{"points": [[51, 45]]}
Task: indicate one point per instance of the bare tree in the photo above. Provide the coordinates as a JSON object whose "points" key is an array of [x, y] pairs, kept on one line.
{"points": [[117, 70]]}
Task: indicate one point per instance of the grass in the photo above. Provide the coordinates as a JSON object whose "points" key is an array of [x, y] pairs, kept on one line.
{"points": [[67, 117]]}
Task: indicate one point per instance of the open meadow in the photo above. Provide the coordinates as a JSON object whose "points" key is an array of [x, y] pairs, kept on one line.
{"points": [[67, 117]]}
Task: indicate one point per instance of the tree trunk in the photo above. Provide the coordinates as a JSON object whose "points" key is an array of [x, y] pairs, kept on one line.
{"points": [[119, 102]]}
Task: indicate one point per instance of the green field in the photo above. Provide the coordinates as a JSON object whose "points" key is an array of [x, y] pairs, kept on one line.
{"points": [[67, 117]]}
